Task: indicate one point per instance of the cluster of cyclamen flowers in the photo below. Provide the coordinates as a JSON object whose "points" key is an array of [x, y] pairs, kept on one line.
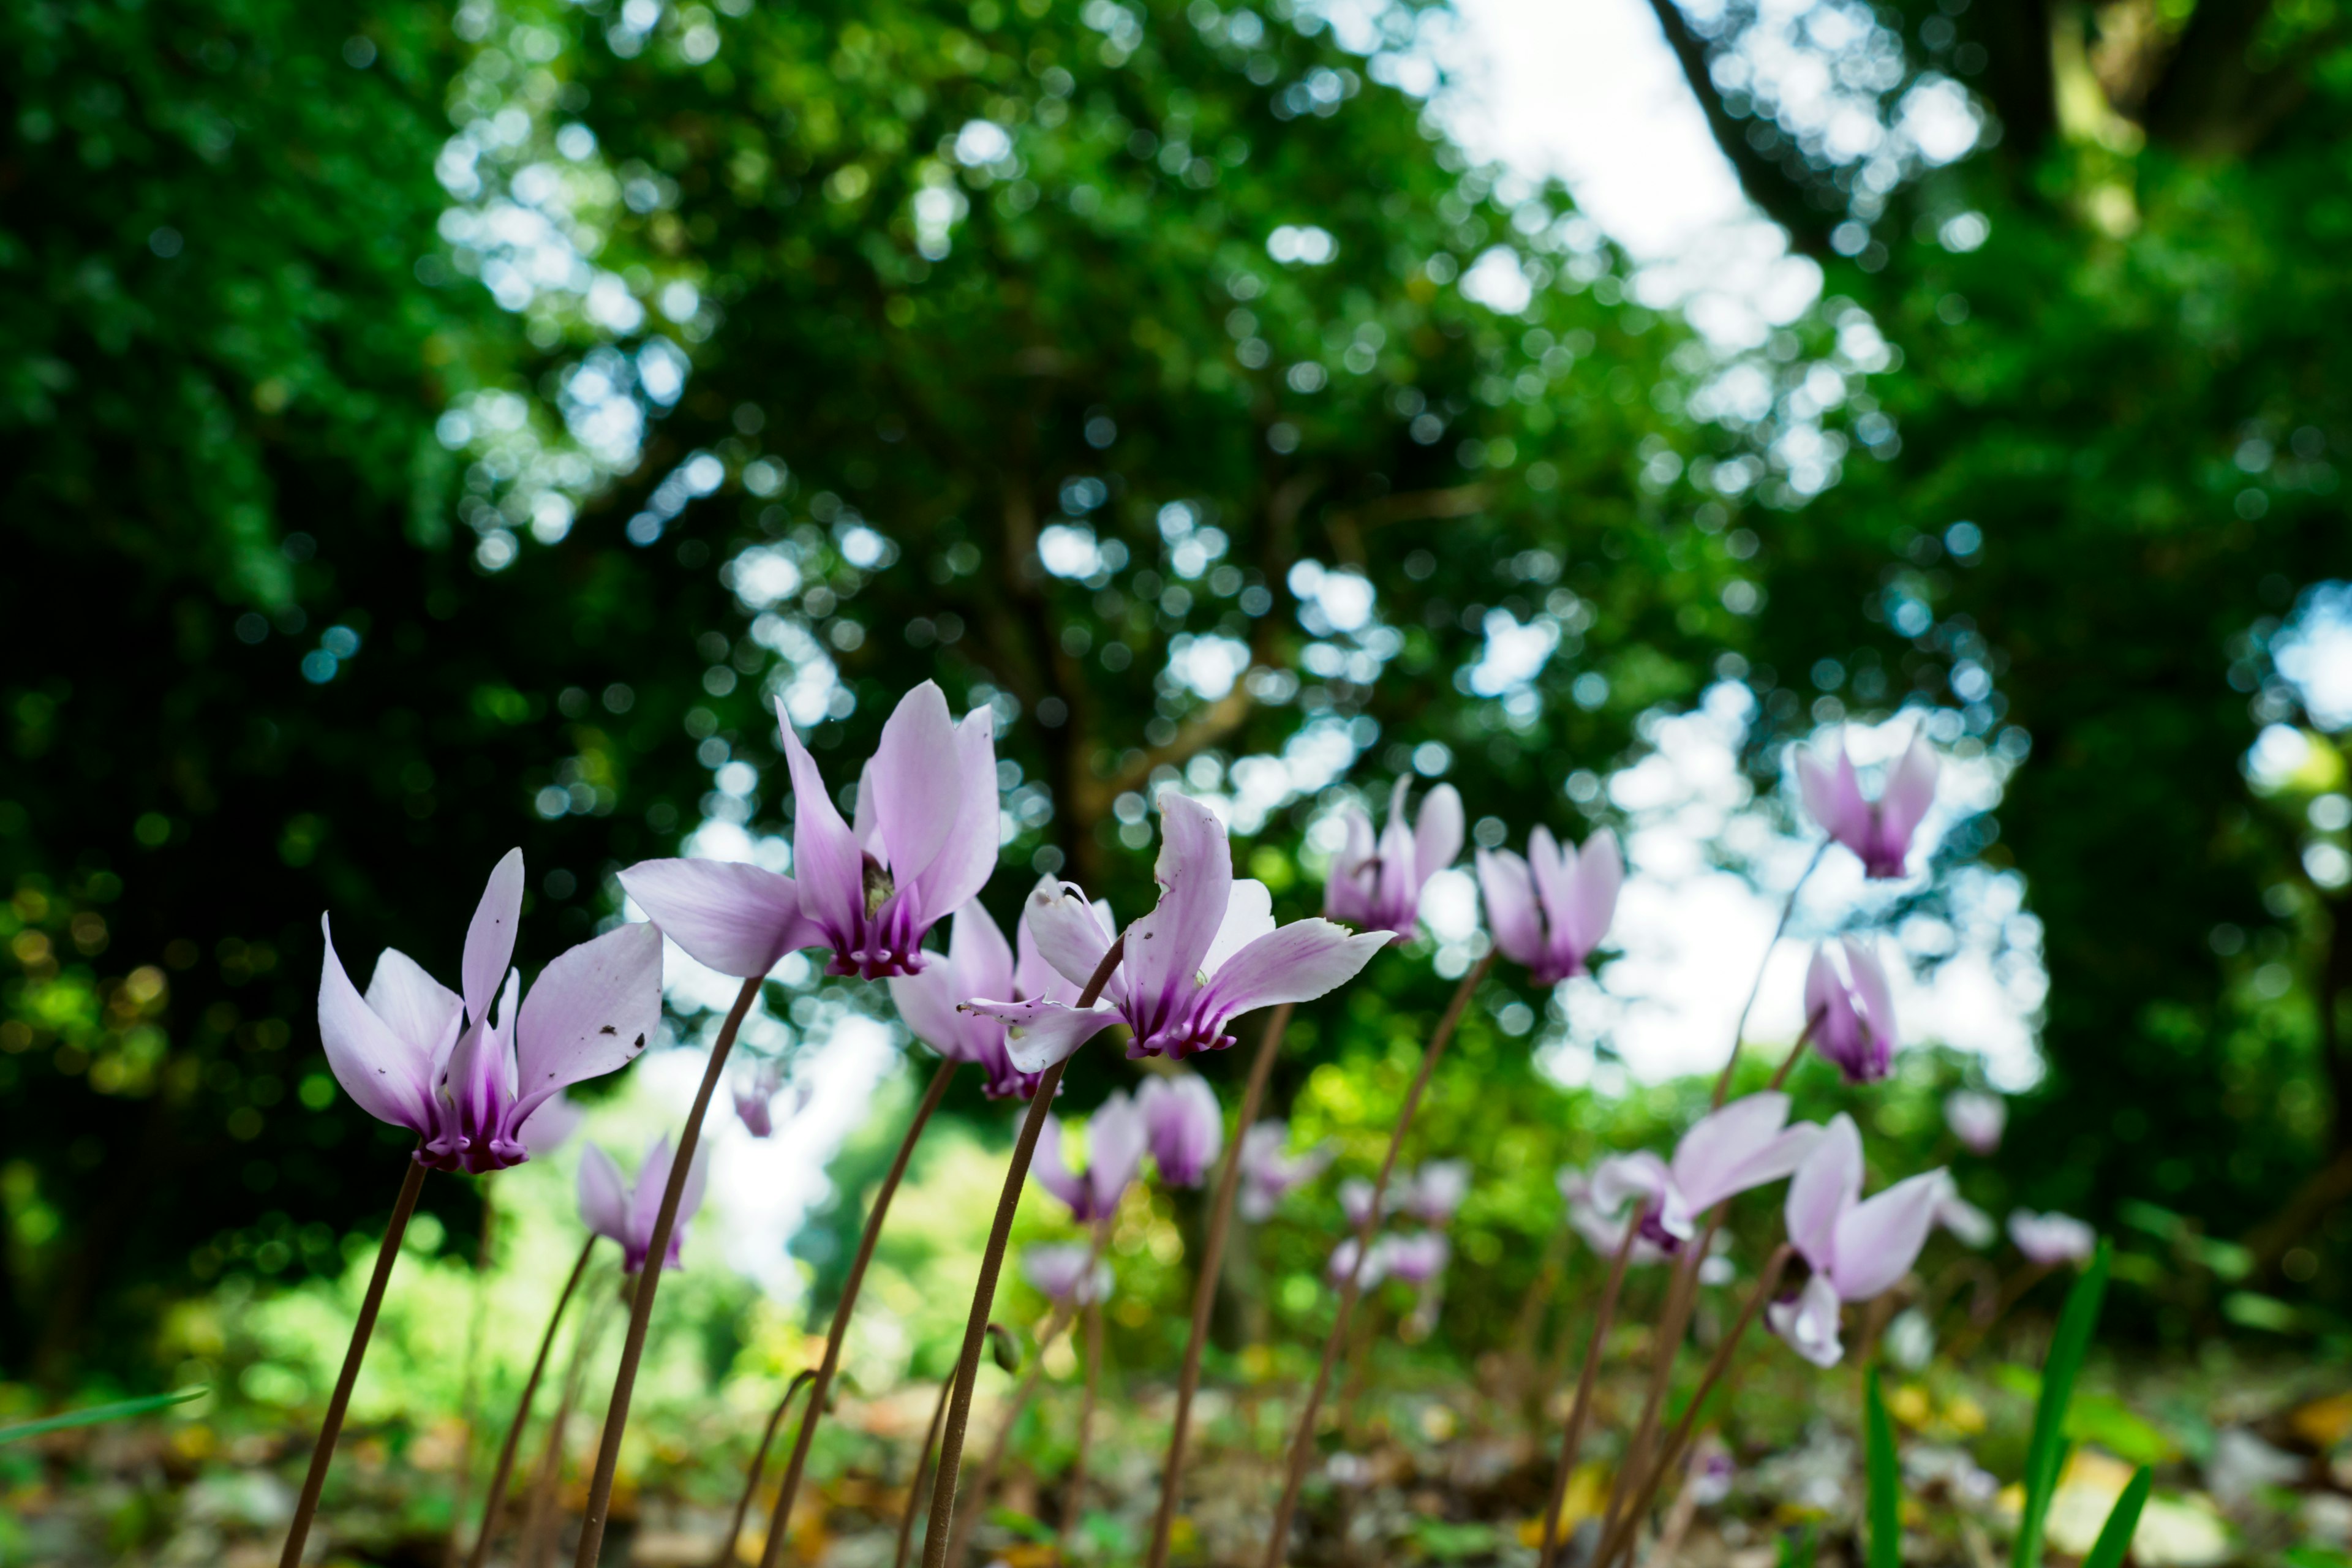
{"points": [[477, 1078]]}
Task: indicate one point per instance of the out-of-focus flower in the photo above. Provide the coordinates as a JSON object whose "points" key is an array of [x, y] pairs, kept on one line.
{"points": [[1356, 1200], [1976, 1119], [1208, 953], [1186, 1130], [2052, 1238], [1551, 910], [1711, 1473], [755, 1096], [1060, 1272], [612, 1208], [1746, 1144], [1877, 830], [1856, 1248], [737, 919], [1605, 1232], [1417, 1259], [1343, 1263], [415, 1055], [977, 964], [548, 1127], [1851, 1018], [1267, 1173], [1435, 1191], [1969, 1225], [1376, 885], [923, 842], [1116, 1142]]}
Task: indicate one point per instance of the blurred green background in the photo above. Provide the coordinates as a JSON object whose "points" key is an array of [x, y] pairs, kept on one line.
{"points": [[425, 430]]}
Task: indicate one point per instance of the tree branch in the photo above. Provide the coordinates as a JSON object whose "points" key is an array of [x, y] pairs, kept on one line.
{"points": [[1782, 199], [2212, 100]]}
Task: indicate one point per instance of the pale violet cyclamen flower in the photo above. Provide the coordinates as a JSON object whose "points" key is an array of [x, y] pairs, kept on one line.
{"points": [[1356, 1200], [1116, 1144], [1856, 1248], [614, 1208], [979, 964], [1552, 909], [1433, 1193], [1746, 1144], [923, 843], [1849, 1017], [1208, 953], [1343, 1263], [1059, 1270], [1969, 1225], [1604, 1233], [1186, 1129], [755, 1097], [2051, 1239], [465, 1080], [1268, 1173], [1976, 1119], [1417, 1259], [1376, 883], [1877, 830]]}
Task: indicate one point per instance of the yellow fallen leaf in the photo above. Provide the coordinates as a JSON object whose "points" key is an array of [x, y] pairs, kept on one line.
{"points": [[2324, 1423]]}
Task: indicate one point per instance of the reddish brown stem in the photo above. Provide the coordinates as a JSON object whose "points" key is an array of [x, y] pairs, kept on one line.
{"points": [[1788, 910], [922, 1468], [1073, 1496], [537, 1548], [1583, 1406], [758, 1463], [1302, 1443], [1205, 1290], [323, 1453], [641, 1304], [495, 1503]]}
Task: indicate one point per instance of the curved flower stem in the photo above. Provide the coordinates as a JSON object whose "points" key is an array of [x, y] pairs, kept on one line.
{"points": [[923, 1469], [780, 1521], [1630, 1526], [1302, 1443], [1739, 1029], [758, 1463], [984, 1480], [1682, 1296], [991, 1264], [1582, 1406], [537, 1547], [1075, 1493], [1204, 1290], [641, 1303], [493, 1504], [323, 1453], [1788, 1063], [470, 1402]]}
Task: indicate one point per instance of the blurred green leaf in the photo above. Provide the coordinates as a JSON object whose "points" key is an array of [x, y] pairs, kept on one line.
{"points": [[1884, 1479], [92, 1415], [2115, 1535], [2047, 1453]]}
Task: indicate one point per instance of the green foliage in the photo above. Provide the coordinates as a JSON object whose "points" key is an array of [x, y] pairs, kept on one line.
{"points": [[1882, 1479], [2046, 1457], [2115, 1535], [95, 1414]]}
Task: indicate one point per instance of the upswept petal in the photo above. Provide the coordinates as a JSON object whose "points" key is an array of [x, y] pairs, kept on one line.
{"points": [[645, 1198], [918, 793], [1714, 1159], [1822, 991], [590, 1011], [961, 869], [1810, 1323], [1051, 1169], [387, 1077], [418, 1008], [1249, 915], [1195, 873], [603, 1197], [490, 938], [1304, 959], [735, 918], [1910, 791], [1117, 1140], [927, 1003], [1069, 932], [1817, 787], [1509, 888], [832, 869], [689, 1202], [548, 1127], [1553, 866], [1041, 1033], [1627, 1186], [862, 824], [1437, 834], [1593, 893], [978, 955], [1870, 985], [1879, 1239], [1824, 1187], [1347, 887]]}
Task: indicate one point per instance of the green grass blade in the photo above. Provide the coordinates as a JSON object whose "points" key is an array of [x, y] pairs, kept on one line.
{"points": [[1886, 1495], [121, 1410], [2115, 1535], [2046, 1455]]}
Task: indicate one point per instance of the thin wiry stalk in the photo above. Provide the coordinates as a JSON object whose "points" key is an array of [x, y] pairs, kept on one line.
{"points": [[1582, 1405], [1074, 1495], [537, 1548], [1739, 1029], [640, 1305], [323, 1453], [495, 1503], [758, 1463], [923, 1469], [470, 1402], [1302, 1444], [1682, 1296], [793, 1469], [991, 1264], [1204, 1290]]}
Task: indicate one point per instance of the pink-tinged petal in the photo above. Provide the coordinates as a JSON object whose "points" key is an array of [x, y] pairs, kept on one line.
{"points": [[1879, 1239], [927, 1003], [978, 955], [1186, 1128], [490, 938], [645, 1198], [1437, 835], [862, 824], [917, 789], [962, 867], [1508, 890], [1071, 936], [1969, 1225], [1346, 888], [548, 1127], [1043, 1032], [1640, 1179], [1553, 865], [1870, 985], [1051, 1170], [418, 1008], [1713, 1159], [1249, 915], [1195, 873], [1116, 1141], [1810, 1323], [603, 1197], [1304, 959], [1910, 791], [1817, 787], [689, 1201], [1593, 893], [1824, 1187], [387, 1077], [2052, 1238], [589, 1012], [735, 918], [1823, 990], [832, 869]]}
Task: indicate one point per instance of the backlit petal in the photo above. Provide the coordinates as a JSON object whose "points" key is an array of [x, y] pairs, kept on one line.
{"points": [[735, 918], [490, 938], [1437, 836], [413, 1004], [1195, 873], [1510, 897], [831, 869], [1304, 959], [590, 1011], [387, 1077], [1043, 1032], [1824, 1187], [603, 1197], [1879, 1239], [1249, 915]]}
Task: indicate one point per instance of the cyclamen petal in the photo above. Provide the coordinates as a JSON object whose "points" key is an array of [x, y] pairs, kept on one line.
{"points": [[589, 1012], [1377, 883], [1303, 961], [603, 1195], [1879, 831], [738, 918], [1195, 872], [1040, 1034], [1824, 1187], [1551, 911], [1509, 888], [415, 1006], [388, 1077], [490, 938], [1810, 1323], [1879, 1239], [1186, 1129]]}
